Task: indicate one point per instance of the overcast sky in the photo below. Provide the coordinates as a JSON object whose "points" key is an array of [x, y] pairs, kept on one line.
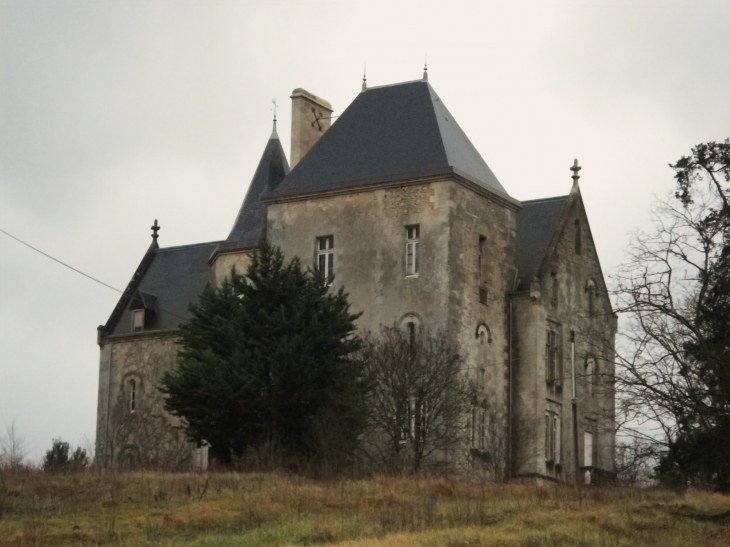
{"points": [[113, 114]]}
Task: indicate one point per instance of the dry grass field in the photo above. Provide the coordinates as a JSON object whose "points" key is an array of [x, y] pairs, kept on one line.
{"points": [[226, 509]]}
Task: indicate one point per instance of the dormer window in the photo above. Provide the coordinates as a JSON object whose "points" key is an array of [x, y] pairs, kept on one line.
{"points": [[144, 310], [137, 320]]}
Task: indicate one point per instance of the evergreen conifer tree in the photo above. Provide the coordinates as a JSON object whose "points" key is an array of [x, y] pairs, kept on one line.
{"points": [[265, 361]]}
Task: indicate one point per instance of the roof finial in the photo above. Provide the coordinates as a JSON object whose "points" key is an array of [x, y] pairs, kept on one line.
{"points": [[425, 69], [364, 77], [155, 228], [275, 107], [575, 170]]}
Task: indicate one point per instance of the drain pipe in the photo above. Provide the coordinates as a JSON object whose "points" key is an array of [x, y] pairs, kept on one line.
{"points": [[574, 402], [509, 381]]}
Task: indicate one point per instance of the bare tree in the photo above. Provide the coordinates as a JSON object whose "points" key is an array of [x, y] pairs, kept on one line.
{"points": [[12, 448], [660, 290], [418, 399]]}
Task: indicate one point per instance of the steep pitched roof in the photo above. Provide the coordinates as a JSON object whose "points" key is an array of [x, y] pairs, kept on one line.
{"points": [[389, 133], [175, 277], [250, 225], [536, 224]]}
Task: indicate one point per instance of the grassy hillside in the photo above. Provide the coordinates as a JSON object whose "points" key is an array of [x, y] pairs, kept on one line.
{"points": [[227, 509]]}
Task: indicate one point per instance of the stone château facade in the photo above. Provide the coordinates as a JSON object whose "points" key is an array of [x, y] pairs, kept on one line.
{"points": [[396, 203]]}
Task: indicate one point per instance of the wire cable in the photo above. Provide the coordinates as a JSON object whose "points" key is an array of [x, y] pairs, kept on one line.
{"points": [[80, 272], [59, 261]]}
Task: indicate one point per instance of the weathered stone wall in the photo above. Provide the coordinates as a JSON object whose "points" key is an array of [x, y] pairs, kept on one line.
{"points": [[561, 297], [369, 230], [138, 433], [221, 267], [479, 324]]}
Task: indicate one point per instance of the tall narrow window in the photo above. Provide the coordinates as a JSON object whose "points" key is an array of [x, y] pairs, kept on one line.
{"points": [[553, 365], [554, 290], [474, 423], [132, 395], [482, 273], [588, 448], [590, 374], [137, 320], [483, 426], [548, 437], [552, 437], [591, 290], [578, 238], [479, 425], [412, 250], [326, 258], [411, 329]]}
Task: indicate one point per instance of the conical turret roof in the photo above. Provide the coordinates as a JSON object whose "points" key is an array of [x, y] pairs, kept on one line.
{"points": [[250, 225]]}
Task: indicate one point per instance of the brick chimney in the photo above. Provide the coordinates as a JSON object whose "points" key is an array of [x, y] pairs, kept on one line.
{"points": [[310, 118]]}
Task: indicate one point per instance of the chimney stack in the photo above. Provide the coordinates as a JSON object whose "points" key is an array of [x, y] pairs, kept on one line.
{"points": [[310, 118]]}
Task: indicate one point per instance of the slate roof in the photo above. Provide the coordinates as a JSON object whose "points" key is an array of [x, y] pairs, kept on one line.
{"points": [[391, 132], [536, 223], [250, 224], [175, 276]]}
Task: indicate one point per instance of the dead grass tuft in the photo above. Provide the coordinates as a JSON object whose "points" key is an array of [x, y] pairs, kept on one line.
{"points": [[271, 509]]}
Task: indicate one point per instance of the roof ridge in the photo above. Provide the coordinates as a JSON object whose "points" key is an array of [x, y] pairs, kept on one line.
{"points": [[188, 246], [554, 198], [395, 84]]}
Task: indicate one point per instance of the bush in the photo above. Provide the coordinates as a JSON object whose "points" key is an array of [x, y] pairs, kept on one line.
{"points": [[60, 457]]}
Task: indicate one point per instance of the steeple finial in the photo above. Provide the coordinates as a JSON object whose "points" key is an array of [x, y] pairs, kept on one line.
{"points": [[425, 70], [575, 170], [155, 228], [273, 132], [364, 77]]}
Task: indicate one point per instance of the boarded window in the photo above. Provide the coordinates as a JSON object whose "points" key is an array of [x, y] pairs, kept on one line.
{"points": [[588, 448], [553, 362], [553, 442]]}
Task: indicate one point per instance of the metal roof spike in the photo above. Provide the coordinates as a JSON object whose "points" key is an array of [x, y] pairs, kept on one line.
{"points": [[364, 77], [274, 134]]}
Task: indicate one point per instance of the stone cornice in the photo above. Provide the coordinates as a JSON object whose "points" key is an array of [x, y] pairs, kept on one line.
{"points": [[357, 186], [142, 335]]}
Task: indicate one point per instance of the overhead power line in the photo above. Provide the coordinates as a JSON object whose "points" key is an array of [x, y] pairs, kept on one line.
{"points": [[59, 261], [79, 271]]}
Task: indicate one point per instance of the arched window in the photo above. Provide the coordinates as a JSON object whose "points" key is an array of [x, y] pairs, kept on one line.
{"points": [[410, 325], [129, 457], [484, 341], [591, 369], [591, 290], [578, 238], [411, 331]]}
